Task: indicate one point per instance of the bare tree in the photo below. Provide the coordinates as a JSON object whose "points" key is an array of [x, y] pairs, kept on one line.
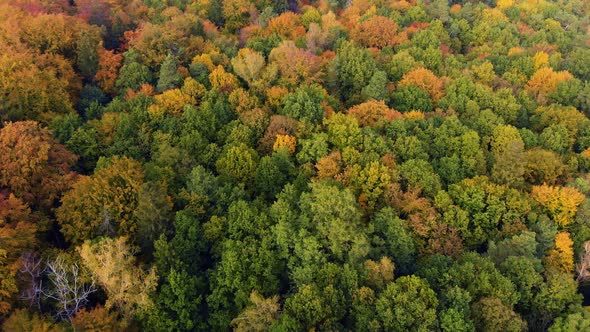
{"points": [[66, 288], [583, 267], [31, 274]]}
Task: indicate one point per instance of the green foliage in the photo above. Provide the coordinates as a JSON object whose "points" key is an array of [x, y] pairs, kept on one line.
{"points": [[407, 304], [278, 165], [168, 78], [305, 104]]}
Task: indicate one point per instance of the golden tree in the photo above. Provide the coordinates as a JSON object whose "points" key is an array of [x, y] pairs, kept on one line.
{"points": [[562, 256], [561, 202], [112, 264]]}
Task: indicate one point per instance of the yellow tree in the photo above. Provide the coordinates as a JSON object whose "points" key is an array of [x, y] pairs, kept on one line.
{"points": [[102, 204], [112, 264], [379, 274], [285, 142], [544, 81], [258, 316], [224, 81], [561, 202], [562, 256], [248, 64]]}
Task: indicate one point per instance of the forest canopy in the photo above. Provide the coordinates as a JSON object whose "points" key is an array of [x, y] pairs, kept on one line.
{"points": [[273, 165]]}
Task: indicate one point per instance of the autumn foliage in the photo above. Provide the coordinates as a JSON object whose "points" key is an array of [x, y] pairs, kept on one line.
{"points": [[561, 202]]}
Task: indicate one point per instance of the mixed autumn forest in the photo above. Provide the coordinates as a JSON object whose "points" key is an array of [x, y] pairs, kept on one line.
{"points": [[282, 165]]}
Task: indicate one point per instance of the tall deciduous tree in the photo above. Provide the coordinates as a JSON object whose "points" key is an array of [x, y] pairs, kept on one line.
{"points": [[103, 203], [33, 165], [112, 264]]}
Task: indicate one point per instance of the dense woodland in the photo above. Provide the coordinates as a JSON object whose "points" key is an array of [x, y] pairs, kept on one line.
{"points": [[274, 165]]}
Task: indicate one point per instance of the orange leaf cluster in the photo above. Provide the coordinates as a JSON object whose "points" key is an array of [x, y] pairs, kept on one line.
{"points": [[425, 79], [377, 31], [372, 112], [285, 142]]}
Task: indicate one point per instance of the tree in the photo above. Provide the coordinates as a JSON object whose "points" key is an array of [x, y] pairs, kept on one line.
{"points": [[67, 290], [354, 68], [112, 264], [543, 166], [224, 81], [486, 210], [103, 203], [131, 76], [168, 78], [561, 202], [23, 320], [393, 238], [17, 234], [376, 31], [562, 256], [579, 321], [259, 316], [410, 97], [248, 64], [490, 314], [372, 113], [34, 167], [419, 173], [177, 304], [380, 273], [296, 65], [109, 63], [556, 297], [97, 319], [238, 162], [87, 52], [377, 89], [424, 79], [544, 81], [305, 104], [507, 149], [408, 304]]}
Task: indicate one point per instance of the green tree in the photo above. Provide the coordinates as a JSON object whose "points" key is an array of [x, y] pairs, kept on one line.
{"points": [[353, 68], [169, 77], [408, 304], [305, 104], [491, 315], [87, 52], [238, 162], [507, 150]]}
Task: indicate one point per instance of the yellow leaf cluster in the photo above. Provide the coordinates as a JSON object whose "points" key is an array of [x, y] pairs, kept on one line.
{"points": [[561, 202], [562, 256], [540, 59], [170, 102], [224, 81], [504, 3], [285, 141], [544, 81], [379, 274], [112, 263]]}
